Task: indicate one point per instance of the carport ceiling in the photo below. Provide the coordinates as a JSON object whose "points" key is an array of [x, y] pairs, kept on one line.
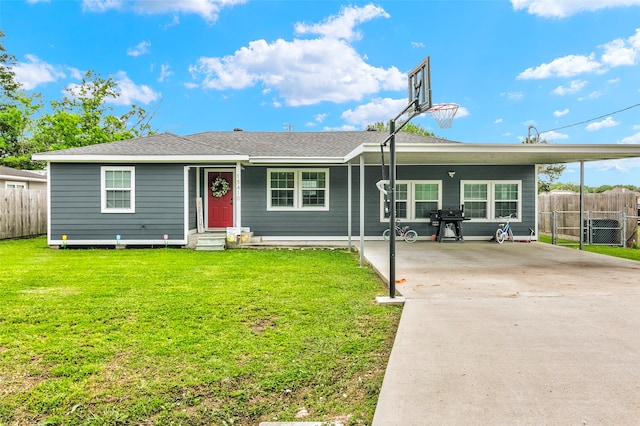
{"points": [[496, 154]]}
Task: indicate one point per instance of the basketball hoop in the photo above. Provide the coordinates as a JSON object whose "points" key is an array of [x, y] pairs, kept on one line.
{"points": [[443, 114]]}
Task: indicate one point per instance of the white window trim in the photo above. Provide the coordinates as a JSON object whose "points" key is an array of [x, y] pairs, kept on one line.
{"points": [[411, 200], [15, 185], [491, 193], [297, 190], [103, 190]]}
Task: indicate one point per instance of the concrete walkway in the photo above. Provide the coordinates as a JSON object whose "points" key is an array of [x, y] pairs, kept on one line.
{"points": [[511, 334]]}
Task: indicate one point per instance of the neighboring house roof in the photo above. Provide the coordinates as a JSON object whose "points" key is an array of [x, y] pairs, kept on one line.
{"points": [[8, 173], [330, 148]]}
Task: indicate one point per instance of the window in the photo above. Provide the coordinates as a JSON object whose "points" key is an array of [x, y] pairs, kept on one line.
{"points": [[15, 185], [306, 189], [118, 189], [491, 200], [415, 200]]}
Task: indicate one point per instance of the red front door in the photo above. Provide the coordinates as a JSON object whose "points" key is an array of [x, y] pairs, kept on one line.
{"points": [[219, 208]]}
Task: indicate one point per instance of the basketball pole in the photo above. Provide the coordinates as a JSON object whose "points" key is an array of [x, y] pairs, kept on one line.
{"points": [[392, 188]]}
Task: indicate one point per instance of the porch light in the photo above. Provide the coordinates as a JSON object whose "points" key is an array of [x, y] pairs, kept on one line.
{"points": [[451, 173]]}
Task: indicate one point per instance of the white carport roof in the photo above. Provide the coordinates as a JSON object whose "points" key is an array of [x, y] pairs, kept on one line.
{"points": [[496, 154]]}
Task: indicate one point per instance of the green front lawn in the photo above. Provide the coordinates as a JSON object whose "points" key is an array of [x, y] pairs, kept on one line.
{"points": [[170, 336], [623, 252]]}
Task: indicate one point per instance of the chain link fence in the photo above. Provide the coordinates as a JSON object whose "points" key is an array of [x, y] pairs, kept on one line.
{"points": [[611, 228]]}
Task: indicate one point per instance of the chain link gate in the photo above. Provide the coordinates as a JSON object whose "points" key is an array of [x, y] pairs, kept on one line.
{"points": [[599, 228]]}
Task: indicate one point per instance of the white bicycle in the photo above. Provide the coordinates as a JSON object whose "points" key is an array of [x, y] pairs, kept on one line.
{"points": [[409, 235], [504, 232]]}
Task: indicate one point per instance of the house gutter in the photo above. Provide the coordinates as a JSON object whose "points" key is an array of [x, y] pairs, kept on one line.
{"points": [[141, 158]]}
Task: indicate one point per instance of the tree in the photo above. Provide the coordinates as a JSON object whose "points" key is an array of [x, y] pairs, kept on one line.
{"points": [[82, 117], [547, 173], [409, 128], [17, 110]]}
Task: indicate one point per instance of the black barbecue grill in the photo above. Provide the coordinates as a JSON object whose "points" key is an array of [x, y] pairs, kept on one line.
{"points": [[442, 218]]}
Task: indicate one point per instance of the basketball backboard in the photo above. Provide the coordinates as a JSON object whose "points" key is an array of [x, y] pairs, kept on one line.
{"points": [[420, 86]]}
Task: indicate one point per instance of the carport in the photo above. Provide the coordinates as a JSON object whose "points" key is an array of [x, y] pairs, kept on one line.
{"points": [[518, 333]]}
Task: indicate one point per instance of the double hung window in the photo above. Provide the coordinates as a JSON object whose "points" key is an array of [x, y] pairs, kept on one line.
{"points": [[491, 200], [303, 189], [415, 200], [118, 189]]}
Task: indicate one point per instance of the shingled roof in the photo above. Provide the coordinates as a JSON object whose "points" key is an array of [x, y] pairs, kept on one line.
{"points": [[251, 144], [8, 173]]}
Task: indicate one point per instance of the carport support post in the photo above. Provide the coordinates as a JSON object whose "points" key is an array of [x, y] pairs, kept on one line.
{"points": [[582, 228], [392, 209]]}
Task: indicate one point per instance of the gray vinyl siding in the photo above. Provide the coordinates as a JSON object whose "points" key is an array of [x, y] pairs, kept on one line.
{"points": [[76, 201], [333, 223], [295, 223]]}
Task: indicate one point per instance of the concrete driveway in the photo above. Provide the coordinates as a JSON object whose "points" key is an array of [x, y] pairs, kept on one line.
{"points": [[511, 334]]}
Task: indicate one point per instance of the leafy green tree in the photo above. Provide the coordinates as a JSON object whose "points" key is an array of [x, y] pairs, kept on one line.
{"points": [[409, 128], [17, 110], [82, 117]]}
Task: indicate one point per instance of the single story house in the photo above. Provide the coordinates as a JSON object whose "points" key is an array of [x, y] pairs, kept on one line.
{"points": [[11, 178], [291, 185]]}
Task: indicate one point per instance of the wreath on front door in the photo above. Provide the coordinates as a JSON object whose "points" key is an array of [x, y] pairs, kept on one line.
{"points": [[219, 187]]}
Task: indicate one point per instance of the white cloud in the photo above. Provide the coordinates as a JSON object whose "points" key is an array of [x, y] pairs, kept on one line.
{"points": [[304, 72], [318, 118], [379, 109], [129, 92], [343, 26], [607, 122], [139, 49], [514, 96], [561, 113], [553, 136], [567, 66], [207, 9], [35, 72], [165, 72], [631, 139], [622, 166], [617, 53], [565, 8], [574, 87], [592, 95], [498, 121], [417, 44]]}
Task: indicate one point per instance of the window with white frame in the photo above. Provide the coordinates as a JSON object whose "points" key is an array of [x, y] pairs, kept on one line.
{"points": [[118, 189], [491, 200], [415, 200], [299, 189], [15, 185]]}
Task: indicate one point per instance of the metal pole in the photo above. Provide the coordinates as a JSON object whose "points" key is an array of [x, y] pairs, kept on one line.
{"points": [[349, 211], [361, 178], [582, 228], [392, 209]]}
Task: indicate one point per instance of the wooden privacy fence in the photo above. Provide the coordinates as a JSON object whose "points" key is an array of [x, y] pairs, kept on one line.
{"points": [[23, 213], [602, 206]]}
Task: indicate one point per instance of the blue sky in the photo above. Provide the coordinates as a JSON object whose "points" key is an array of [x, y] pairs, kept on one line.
{"points": [[326, 65]]}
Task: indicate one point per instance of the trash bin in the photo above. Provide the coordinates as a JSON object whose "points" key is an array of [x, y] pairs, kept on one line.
{"points": [[605, 231]]}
